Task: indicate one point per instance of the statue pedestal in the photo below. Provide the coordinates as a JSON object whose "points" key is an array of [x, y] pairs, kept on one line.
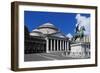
{"points": [[80, 50]]}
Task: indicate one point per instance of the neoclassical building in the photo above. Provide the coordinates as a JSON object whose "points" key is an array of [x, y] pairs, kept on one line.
{"points": [[46, 39]]}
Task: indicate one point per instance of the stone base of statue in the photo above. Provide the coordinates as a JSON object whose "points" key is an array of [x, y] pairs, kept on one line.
{"points": [[80, 50]]}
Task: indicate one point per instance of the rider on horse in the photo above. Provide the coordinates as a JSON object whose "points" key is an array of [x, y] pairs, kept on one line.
{"points": [[79, 32]]}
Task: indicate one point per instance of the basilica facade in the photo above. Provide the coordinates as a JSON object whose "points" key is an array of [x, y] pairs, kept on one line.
{"points": [[46, 39]]}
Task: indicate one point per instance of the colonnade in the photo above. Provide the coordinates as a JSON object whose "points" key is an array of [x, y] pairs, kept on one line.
{"points": [[58, 45]]}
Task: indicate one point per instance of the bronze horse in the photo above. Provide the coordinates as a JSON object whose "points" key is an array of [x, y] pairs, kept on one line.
{"points": [[79, 33]]}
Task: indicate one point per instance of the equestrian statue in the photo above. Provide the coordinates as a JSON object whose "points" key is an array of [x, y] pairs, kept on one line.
{"points": [[79, 32]]}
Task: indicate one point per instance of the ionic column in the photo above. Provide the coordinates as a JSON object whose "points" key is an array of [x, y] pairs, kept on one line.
{"points": [[47, 45]]}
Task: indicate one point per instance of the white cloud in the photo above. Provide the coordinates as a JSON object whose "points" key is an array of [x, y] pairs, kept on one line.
{"points": [[83, 21], [69, 35]]}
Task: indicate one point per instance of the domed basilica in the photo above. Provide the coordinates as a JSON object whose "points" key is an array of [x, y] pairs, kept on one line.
{"points": [[46, 39]]}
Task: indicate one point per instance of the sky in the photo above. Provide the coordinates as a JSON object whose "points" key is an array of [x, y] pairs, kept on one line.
{"points": [[65, 22]]}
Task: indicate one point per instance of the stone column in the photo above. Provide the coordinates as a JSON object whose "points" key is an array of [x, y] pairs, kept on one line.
{"points": [[68, 46], [47, 45]]}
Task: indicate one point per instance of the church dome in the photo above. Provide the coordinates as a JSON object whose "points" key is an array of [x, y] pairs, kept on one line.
{"points": [[47, 28], [36, 32], [47, 25]]}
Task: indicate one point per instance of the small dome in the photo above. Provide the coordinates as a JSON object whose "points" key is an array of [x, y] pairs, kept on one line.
{"points": [[47, 28], [47, 25], [36, 32]]}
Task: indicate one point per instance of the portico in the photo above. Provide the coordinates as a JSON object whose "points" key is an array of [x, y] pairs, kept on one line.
{"points": [[55, 41], [56, 45]]}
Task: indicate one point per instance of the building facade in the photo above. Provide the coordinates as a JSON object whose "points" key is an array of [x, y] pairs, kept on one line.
{"points": [[46, 39]]}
